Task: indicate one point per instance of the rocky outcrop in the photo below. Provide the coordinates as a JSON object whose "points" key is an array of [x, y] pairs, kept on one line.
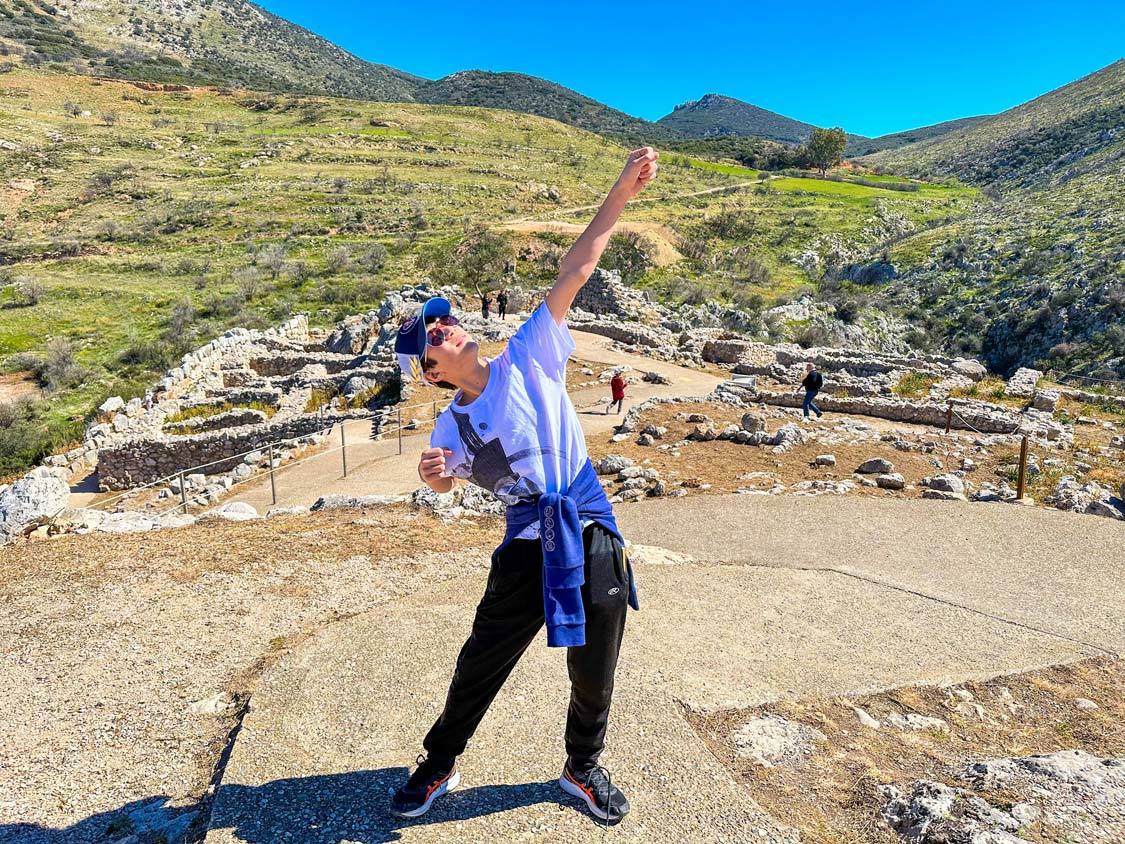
{"points": [[31, 501]]}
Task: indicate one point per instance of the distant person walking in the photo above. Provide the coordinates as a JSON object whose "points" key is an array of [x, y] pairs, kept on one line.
{"points": [[502, 304], [812, 385], [485, 303], [617, 393]]}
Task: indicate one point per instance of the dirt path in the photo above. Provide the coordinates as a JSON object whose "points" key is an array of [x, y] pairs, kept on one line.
{"points": [[375, 468]]}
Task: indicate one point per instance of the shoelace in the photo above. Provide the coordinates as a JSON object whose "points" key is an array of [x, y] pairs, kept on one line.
{"points": [[609, 789], [422, 772]]}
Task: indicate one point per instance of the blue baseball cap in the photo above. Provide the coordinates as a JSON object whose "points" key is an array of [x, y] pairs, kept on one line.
{"points": [[410, 343]]}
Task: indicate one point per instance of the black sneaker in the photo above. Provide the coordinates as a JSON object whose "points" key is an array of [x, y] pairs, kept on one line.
{"points": [[430, 780], [597, 790]]}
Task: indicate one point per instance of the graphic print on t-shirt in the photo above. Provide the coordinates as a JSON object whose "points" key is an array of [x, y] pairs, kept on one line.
{"points": [[489, 467]]}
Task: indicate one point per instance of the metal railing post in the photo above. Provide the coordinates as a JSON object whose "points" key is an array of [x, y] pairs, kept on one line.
{"points": [[343, 448], [183, 492], [400, 430], [1021, 483], [273, 483]]}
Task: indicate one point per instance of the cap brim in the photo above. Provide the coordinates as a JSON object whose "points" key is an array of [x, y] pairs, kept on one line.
{"points": [[411, 339]]}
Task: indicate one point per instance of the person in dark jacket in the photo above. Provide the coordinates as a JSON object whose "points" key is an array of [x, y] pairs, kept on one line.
{"points": [[502, 304], [812, 384]]}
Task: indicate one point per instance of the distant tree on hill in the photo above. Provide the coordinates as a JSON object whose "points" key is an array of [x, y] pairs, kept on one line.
{"points": [[476, 261], [825, 148]]}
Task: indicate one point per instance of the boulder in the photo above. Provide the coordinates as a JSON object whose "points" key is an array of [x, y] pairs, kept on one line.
{"points": [[112, 405], [945, 483], [753, 423], [612, 464], [1047, 400], [876, 466], [890, 481], [31, 501], [232, 511], [703, 432], [825, 460], [127, 522]]}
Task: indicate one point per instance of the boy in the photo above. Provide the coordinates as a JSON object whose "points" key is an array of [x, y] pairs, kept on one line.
{"points": [[512, 430]]}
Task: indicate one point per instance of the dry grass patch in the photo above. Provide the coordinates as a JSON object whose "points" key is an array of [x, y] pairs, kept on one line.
{"points": [[831, 795]]}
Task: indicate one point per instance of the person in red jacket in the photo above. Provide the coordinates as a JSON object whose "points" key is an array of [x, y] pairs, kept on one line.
{"points": [[617, 386]]}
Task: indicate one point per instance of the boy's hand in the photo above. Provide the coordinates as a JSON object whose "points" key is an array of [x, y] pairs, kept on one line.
{"points": [[431, 465], [640, 169]]}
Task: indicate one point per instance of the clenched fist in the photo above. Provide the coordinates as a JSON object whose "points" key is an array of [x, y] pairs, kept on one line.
{"points": [[431, 468], [640, 169]]}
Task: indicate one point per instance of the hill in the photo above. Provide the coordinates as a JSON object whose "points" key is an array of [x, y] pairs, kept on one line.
{"points": [[197, 42], [532, 95], [716, 115], [1062, 134], [1037, 276], [143, 223], [865, 146]]}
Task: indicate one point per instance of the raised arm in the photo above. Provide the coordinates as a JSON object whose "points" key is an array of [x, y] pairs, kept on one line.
{"points": [[582, 259]]}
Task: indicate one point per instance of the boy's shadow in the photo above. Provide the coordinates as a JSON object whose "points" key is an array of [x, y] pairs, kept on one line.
{"points": [[325, 809]]}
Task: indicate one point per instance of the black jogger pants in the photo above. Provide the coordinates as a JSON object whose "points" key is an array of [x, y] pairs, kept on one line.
{"points": [[508, 619]]}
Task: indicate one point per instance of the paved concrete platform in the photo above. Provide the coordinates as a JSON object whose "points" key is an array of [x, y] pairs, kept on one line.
{"points": [[1055, 571], [335, 724]]}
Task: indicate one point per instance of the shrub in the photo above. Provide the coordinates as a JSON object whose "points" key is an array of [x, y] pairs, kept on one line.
{"points": [[812, 335], [339, 260], [373, 257], [60, 368], [249, 281], [28, 434], [31, 289], [271, 258], [630, 253]]}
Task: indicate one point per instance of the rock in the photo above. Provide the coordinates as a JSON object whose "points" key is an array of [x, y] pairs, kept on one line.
{"points": [[728, 432], [1022, 383], [658, 489], [654, 431], [645, 439], [864, 718], [31, 501], [945, 483], [175, 520], [771, 740], [1047, 400], [79, 520], [217, 704], [127, 522], [336, 502], [968, 464], [656, 378], [1104, 509], [787, 436], [291, 511], [890, 481], [934, 813], [876, 466], [753, 423], [112, 405], [612, 464], [970, 368], [942, 495], [700, 418], [703, 432], [232, 511], [825, 460], [1085, 703]]}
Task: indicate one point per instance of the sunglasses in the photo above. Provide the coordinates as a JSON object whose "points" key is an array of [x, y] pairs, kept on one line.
{"points": [[435, 336]]}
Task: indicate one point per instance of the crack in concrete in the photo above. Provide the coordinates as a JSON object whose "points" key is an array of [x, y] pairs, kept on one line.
{"points": [[926, 596]]}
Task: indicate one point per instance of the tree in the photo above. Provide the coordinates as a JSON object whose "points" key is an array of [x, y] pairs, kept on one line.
{"points": [[825, 148], [479, 258]]}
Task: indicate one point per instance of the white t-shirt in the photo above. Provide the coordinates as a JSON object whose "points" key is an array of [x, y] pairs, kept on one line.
{"points": [[521, 436]]}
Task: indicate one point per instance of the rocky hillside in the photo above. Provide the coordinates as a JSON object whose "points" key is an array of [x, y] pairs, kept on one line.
{"points": [[532, 95], [716, 115], [865, 146], [1037, 276], [212, 42], [1072, 130]]}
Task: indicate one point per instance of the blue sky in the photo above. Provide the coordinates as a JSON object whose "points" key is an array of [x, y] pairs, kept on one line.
{"points": [[870, 67]]}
